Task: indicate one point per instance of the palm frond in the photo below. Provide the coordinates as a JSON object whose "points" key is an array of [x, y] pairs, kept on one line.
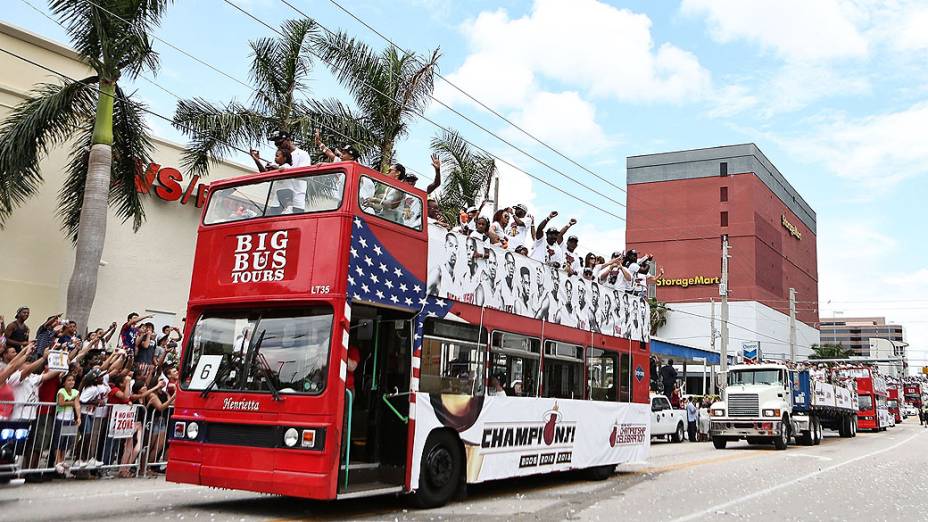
{"points": [[48, 117], [132, 150], [215, 131], [337, 124]]}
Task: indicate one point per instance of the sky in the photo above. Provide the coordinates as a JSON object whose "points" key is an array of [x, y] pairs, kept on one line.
{"points": [[834, 92]]}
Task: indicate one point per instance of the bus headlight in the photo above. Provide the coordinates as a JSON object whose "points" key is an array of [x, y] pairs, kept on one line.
{"points": [[291, 436], [193, 429], [6, 433], [22, 433]]}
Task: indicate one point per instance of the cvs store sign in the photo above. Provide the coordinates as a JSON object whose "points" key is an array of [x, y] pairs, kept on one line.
{"points": [[169, 185]]}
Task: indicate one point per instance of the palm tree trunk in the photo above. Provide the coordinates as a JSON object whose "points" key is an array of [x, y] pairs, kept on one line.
{"points": [[82, 289], [386, 155]]}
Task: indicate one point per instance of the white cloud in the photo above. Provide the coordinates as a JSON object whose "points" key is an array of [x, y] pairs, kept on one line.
{"points": [[515, 186], [731, 100], [564, 120], [798, 85], [584, 44], [490, 79], [798, 30], [876, 151]]}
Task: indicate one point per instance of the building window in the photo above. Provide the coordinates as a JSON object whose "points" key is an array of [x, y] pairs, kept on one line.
{"points": [[723, 194], [723, 168], [724, 219]]}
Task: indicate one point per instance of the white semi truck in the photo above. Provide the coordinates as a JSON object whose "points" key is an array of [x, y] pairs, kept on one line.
{"points": [[766, 403]]}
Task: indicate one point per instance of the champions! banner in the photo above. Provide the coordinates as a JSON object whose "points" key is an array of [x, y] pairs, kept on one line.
{"points": [[504, 280], [515, 436]]}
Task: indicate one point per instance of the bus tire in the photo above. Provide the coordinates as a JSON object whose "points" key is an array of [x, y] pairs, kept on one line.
{"points": [[677, 436], [781, 441], [600, 472], [719, 442], [440, 471]]}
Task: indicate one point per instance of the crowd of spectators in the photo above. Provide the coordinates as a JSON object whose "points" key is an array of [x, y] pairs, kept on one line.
{"points": [[63, 383]]}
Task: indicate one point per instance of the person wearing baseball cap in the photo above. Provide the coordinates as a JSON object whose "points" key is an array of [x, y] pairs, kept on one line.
{"points": [[522, 227], [284, 140], [571, 257]]}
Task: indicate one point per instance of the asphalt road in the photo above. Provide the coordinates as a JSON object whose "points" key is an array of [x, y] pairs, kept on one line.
{"points": [[877, 476]]}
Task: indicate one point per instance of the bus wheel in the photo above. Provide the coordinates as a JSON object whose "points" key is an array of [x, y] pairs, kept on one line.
{"points": [[600, 472], [440, 471], [719, 442]]}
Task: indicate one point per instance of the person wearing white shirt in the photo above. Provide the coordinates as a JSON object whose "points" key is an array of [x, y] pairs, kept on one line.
{"points": [[522, 227], [547, 248], [571, 257]]}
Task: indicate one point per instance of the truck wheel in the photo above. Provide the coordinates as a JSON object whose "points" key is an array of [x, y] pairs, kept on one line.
{"points": [[817, 433], [781, 441], [441, 470], [844, 429], [719, 442], [678, 435], [853, 426], [806, 438], [756, 440]]}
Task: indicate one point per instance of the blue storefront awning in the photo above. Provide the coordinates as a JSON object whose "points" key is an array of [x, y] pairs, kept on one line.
{"points": [[683, 352]]}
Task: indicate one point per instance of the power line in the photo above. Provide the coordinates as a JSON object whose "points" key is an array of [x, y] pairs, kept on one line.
{"points": [[438, 125], [465, 93]]}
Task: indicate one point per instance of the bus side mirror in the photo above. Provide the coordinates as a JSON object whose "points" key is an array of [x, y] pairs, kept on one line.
{"points": [[365, 329]]}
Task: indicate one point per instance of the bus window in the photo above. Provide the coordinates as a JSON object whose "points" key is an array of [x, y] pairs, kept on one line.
{"points": [[625, 378], [260, 350], [298, 195], [452, 359], [514, 363], [386, 202], [563, 371], [602, 374]]}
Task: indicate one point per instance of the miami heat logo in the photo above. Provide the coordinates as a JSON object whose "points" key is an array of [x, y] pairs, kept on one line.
{"points": [[550, 417], [627, 434]]}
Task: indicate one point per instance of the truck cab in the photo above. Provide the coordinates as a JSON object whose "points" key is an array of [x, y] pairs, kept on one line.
{"points": [[666, 421], [756, 405]]}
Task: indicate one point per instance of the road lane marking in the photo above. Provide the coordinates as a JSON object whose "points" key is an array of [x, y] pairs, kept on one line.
{"points": [[760, 493], [745, 454], [121, 493], [806, 455]]}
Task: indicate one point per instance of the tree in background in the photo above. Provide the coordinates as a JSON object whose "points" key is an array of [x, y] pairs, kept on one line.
{"points": [[830, 351], [390, 88], [467, 174], [280, 71], [658, 315], [104, 124]]}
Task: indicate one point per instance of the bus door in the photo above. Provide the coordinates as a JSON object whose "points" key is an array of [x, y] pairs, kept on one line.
{"points": [[374, 449]]}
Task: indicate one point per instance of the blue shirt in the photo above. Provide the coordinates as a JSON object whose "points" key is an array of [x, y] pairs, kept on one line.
{"points": [[691, 412]]}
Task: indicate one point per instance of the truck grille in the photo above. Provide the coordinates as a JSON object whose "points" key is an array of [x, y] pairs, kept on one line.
{"points": [[743, 405]]}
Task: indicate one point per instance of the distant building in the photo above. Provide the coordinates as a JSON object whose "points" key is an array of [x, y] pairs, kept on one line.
{"points": [[854, 333], [680, 204]]}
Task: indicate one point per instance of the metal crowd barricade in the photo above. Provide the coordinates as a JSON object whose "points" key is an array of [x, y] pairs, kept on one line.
{"points": [[34, 440], [156, 441]]}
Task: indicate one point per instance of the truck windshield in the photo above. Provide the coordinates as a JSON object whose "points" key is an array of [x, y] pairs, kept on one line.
{"points": [[864, 403], [277, 351], [297, 195], [742, 377]]}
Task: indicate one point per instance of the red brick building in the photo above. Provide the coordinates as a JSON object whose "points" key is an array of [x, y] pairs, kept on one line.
{"points": [[680, 204]]}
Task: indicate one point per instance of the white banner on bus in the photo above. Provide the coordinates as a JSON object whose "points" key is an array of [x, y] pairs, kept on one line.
{"points": [[504, 280], [516, 436]]}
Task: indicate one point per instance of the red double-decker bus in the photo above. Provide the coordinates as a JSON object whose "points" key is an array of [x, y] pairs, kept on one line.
{"points": [[913, 394], [340, 346], [872, 409], [892, 402]]}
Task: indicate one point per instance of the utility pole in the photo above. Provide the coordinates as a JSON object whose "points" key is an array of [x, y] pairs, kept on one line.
{"points": [[792, 324], [712, 341], [723, 292]]}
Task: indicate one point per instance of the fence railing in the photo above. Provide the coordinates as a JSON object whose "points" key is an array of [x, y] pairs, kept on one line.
{"points": [[112, 440]]}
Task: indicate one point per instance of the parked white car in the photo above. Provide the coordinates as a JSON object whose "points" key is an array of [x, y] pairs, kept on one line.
{"points": [[909, 411], [666, 421]]}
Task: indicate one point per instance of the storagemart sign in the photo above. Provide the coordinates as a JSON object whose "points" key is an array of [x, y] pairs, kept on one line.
{"points": [[169, 185]]}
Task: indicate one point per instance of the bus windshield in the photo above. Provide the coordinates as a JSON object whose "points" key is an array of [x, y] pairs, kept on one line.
{"points": [[864, 403], [298, 195], [277, 351], [742, 377]]}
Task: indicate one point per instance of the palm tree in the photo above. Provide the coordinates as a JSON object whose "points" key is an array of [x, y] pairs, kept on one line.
{"points": [[105, 125], [830, 351], [467, 174], [389, 88], [658, 315], [280, 70]]}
